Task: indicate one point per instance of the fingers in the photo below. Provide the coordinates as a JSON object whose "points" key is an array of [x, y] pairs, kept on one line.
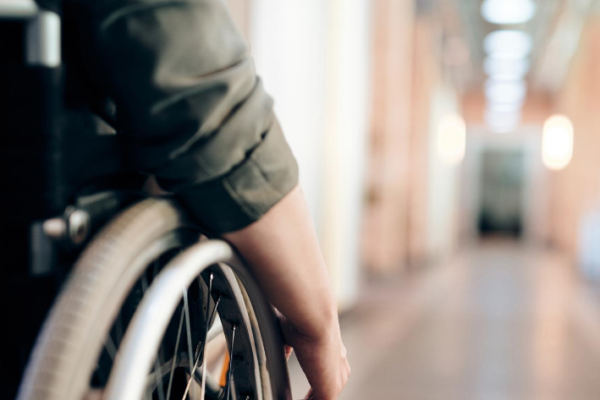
{"points": [[325, 362], [309, 395], [287, 348], [288, 351], [346, 362]]}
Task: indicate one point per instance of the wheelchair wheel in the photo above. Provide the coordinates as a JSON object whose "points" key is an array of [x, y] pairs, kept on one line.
{"points": [[144, 314]]}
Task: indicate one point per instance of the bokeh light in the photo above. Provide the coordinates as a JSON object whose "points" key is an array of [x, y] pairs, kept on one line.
{"points": [[557, 142], [505, 92], [451, 139], [507, 43], [506, 69], [508, 11]]}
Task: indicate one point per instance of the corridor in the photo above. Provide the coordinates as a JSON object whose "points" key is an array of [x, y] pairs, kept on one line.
{"points": [[428, 167], [501, 322]]}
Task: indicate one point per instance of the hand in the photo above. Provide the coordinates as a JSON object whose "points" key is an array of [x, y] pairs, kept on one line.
{"points": [[283, 252], [323, 359]]}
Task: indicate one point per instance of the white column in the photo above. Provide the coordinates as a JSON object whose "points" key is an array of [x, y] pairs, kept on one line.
{"points": [[314, 57], [346, 141], [289, 46]]}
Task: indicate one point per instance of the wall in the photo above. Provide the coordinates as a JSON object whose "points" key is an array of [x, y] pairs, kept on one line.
{"points": [[412, 209], [443, 184], [314, 59], [385, 229], [433, 186], [425, 78], [575, 190], [351, 77], [345, 152], [290, 48]]}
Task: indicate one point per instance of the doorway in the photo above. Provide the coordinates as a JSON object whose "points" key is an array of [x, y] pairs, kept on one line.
{"points": [[500, 210]]}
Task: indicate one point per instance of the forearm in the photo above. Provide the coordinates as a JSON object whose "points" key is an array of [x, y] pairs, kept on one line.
{"points": [[283, 251]]}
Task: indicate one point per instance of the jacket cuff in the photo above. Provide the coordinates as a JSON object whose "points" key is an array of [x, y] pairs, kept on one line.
{"points": [[242, 196]]}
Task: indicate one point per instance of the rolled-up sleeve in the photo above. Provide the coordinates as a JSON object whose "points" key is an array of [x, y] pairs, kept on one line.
{"points": [[193, 110]]}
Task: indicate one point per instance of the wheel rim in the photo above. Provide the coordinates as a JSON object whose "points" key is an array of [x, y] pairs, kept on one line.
{"points": [[150, 262], [159, 309]]}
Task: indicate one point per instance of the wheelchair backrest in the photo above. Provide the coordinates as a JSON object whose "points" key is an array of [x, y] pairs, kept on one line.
{"points": [[50, 145]]}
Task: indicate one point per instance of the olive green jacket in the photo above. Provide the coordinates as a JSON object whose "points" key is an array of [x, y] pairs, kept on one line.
{"points": [[190, 104]]}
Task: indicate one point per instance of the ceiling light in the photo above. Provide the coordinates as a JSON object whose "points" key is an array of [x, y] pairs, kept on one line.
{"points": [[506, 69], [507, 44], [508, 11], [505, 92], [507, 77]]}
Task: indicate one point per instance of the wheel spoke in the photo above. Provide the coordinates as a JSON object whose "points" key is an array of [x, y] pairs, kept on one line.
{"points": [[148, 395], [200, 355], [110, 347], [191, 378], [188, 329], [159, 379], [186, 288], [229, 376], [215, 330], [208, 319], [174, 362], [160, 370]]}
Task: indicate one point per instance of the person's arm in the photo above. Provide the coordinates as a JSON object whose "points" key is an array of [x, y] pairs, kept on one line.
{"points": [[188, 102], [283, 251], [196, 116]]}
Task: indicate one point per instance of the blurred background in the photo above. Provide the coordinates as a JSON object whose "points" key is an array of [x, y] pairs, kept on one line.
{"points": [[450, 154]]}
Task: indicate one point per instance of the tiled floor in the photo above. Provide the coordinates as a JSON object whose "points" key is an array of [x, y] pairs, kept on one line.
{"points": [[503, 322]]}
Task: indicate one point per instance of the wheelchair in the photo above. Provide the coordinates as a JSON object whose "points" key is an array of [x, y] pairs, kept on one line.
{"points": [[138, 302]]}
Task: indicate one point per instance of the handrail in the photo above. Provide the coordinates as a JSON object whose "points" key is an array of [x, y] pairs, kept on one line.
{"points": [[43, 36], [18, 9]]}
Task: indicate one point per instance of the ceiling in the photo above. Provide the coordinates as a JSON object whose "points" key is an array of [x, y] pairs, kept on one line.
{"points": [[555, 30]]}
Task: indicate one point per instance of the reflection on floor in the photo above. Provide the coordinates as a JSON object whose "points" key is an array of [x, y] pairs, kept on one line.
{"points": [[501, 322]]}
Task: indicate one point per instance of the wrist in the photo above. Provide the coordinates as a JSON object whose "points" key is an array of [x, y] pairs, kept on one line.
{"points": [[322, 327]]}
